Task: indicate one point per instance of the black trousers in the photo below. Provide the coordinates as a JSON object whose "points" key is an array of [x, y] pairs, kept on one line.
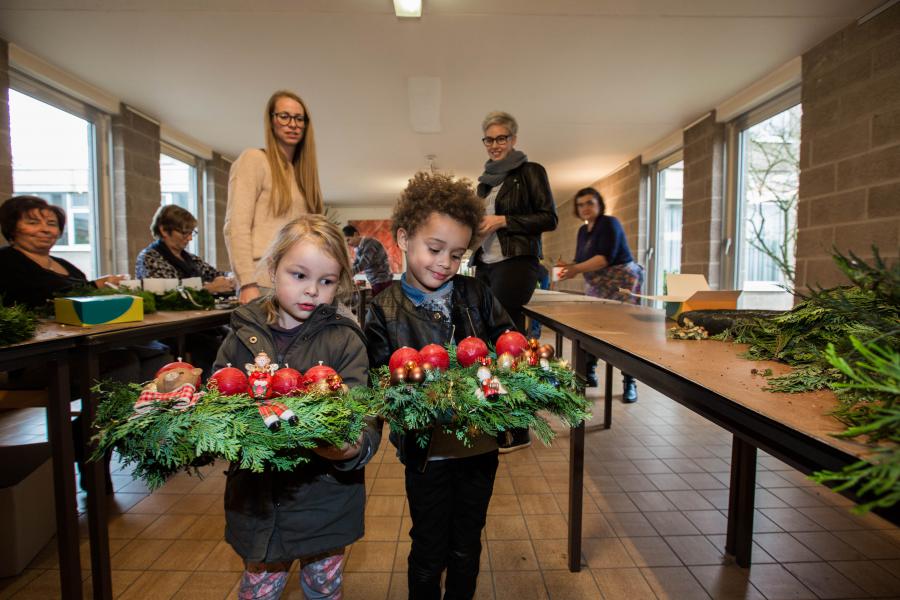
{"points": [[448, 503], [513, 282]]}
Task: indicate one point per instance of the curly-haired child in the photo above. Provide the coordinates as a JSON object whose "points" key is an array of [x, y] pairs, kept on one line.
{"points": [[448, 485]]}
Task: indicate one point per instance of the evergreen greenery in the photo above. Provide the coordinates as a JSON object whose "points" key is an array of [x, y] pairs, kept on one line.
{"points": [[164, 440], [846, 339], [449, 400], [17, 323]]}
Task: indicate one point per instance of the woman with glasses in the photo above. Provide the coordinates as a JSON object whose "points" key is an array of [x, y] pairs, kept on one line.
{"points": [[519, 207], [603, 257], [268, 187], [167, 257]]}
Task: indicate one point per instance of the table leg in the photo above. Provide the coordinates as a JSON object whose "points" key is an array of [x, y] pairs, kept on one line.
{"points": [[59, 430], [607, 396], [559, 343], [741, 496], [95, 476], [576, 474], [361, 317]]}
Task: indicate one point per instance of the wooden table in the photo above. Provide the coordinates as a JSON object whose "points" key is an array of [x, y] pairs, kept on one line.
{"points": [[711, 379], [50, 349], [91, 344]]}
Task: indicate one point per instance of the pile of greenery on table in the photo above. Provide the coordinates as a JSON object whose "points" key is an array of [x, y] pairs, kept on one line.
{"points": [[17, 323], [846, 339], [165, 440], [451, 400]]}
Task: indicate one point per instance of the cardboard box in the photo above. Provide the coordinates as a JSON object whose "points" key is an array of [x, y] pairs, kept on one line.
{"points": [[27, 511], [688, 291], [99, 310]]}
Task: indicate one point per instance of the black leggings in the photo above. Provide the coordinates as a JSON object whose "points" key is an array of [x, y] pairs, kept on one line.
{"points": [[512, 281]]}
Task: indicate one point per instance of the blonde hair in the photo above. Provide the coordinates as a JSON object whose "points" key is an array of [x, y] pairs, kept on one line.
{"points": [[318, 230], [503, 119], [303, 165]]}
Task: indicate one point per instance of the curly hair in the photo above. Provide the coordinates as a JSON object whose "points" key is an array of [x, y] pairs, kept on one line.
{"points": [[429, 193]]}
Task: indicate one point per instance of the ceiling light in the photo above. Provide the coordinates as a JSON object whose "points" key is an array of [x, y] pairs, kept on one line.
{"points": [[408, 8]]}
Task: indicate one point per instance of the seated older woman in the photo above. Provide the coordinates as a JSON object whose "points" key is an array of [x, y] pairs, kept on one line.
{"points": [[28, 273], [167, 257]]}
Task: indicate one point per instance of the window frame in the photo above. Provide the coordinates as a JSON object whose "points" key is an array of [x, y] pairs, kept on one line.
{"points": [[732, 240], [99, 157], [654, 171]]}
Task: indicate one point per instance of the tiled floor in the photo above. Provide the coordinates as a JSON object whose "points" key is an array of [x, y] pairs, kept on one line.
{"points": [[654, 527]]}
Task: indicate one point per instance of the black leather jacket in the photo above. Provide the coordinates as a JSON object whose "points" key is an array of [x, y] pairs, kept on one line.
{"points": [[527, 203], [393, 321]]}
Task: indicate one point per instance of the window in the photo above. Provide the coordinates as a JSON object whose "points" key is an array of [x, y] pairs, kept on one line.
{"points": [[666, 193], [179, 185], [53, 154], [764, 150]]}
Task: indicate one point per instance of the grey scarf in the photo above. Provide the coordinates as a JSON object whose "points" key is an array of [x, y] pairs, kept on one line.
{"points": [[495, 171]]}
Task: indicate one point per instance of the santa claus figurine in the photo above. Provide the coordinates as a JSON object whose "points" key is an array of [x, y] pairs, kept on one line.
{"points": [[259, 377]]}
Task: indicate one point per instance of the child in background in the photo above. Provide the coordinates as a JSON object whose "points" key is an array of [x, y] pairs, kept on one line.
{"points": [[448, 485], [309, 514]]}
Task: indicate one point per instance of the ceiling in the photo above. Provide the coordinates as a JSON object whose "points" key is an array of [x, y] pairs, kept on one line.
{"points": [[592, 83]]}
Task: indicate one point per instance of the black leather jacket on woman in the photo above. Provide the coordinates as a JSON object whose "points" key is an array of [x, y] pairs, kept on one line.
{"points": [[393, 321], [527, 203]]}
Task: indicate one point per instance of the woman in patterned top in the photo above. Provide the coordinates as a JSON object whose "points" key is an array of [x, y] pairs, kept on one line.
{"points": [[167, 257]]}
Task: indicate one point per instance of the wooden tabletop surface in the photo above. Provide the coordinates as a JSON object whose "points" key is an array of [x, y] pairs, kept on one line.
{"points": [[716, 366]]}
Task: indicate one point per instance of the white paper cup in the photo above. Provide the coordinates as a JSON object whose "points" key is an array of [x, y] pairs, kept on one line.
{"points": [[555, 275]]}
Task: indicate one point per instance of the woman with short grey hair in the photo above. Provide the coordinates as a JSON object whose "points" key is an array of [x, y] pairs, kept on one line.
{"points": [[519, 207]]}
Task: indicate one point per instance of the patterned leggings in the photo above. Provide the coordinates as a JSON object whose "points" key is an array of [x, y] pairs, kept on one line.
{"points": [[321, 578]]}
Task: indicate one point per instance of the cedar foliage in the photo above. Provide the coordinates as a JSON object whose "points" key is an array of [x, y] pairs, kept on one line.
{"points": [[165, 440], [846, 339], [448, 399], [17, 323]]}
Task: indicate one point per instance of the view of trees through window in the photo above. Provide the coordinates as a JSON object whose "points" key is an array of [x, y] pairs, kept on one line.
{"points": [[769, 182]]}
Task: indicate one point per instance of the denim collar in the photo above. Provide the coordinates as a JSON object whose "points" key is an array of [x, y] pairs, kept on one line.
{"points": [[418, 297]]}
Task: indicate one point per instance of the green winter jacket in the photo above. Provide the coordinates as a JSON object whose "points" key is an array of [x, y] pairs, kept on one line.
{"points": [[278, 516]]}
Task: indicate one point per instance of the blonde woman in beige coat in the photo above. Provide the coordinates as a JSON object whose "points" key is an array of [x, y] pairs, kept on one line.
{"points": [[270, 187]]}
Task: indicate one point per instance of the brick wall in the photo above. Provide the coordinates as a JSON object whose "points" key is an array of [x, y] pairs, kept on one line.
{"points": [[6, 185], [216, 200], [621, 191], [136, 188], [701, 229], [850, 149]]}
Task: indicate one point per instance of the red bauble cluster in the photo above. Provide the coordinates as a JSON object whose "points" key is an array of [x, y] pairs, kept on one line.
{"points": [[408, 365], [230, 381]]}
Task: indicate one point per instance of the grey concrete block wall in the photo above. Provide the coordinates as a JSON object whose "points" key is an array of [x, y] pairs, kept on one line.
{"points": [[850, 150], [6, 181], [136, 184]]}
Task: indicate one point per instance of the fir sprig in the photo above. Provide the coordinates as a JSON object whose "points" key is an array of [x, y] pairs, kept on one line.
{"points": [[17, 323], [164, 440]]}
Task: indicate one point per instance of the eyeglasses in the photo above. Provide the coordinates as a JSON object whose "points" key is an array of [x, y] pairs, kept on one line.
{"points": [[189, 231], [501, 140], [284, 118]]}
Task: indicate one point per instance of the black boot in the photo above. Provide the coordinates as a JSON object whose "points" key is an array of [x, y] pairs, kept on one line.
{"points": [[629, 393]]}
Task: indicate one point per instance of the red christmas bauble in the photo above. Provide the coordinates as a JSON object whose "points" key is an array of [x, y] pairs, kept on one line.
{"points": [[178, 364], [512, 342], [470, 350], [436, 355], [286, 381], [229, 381], [318, 373], [403, 355]]}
